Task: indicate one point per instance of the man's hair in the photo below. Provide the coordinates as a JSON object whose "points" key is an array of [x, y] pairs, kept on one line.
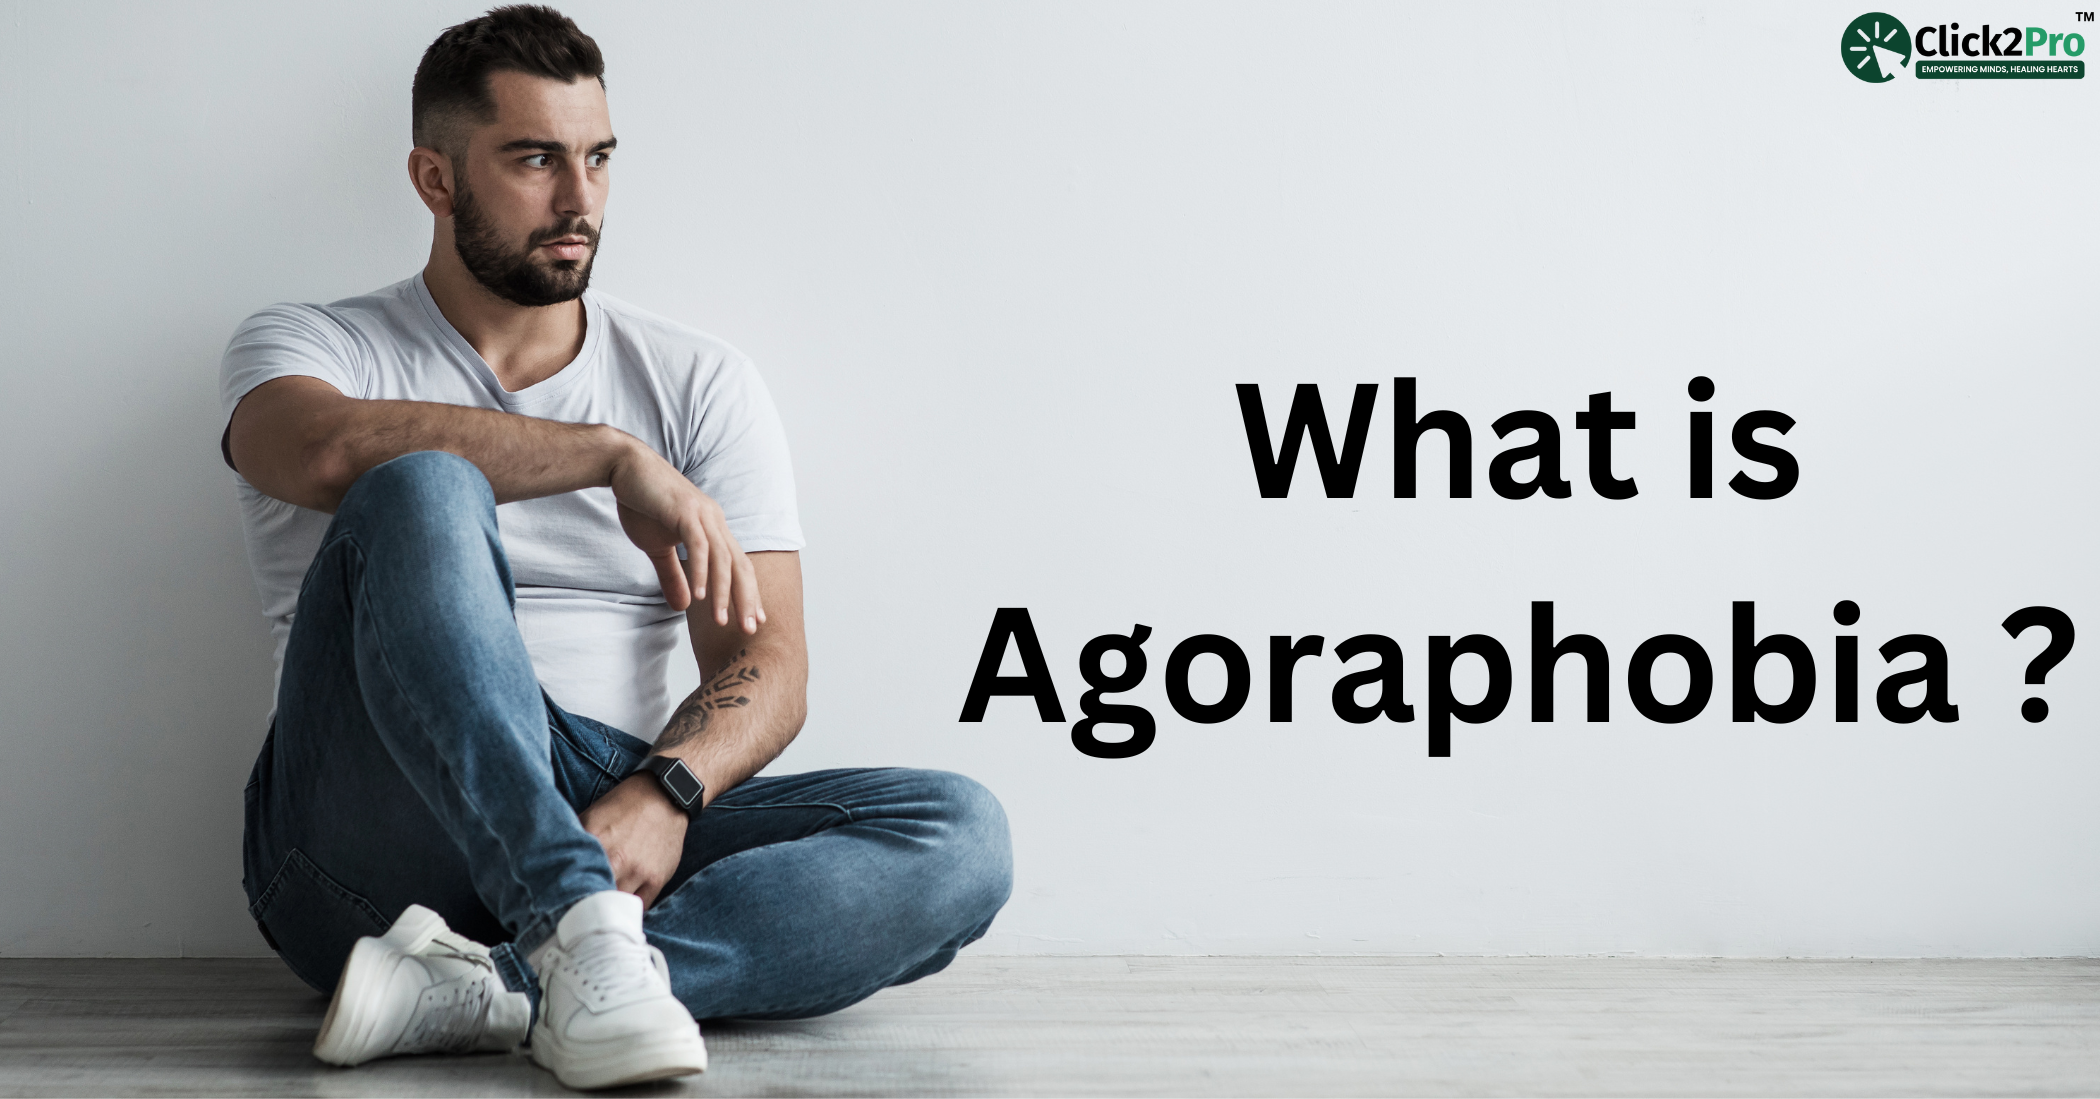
{"points": [[452, 83]]}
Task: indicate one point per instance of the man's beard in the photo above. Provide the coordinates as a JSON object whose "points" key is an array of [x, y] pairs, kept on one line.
{"points": [[511, 274]]}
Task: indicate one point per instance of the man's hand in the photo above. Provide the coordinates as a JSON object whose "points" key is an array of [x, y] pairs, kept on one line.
{"points": [[659, 510], [643, 834]]}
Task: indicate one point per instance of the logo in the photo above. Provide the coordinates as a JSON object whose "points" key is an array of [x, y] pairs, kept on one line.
{"points": [[1876, 46]]}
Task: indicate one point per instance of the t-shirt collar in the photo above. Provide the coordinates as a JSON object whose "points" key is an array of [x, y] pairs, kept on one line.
{"points": [[547, 389]]}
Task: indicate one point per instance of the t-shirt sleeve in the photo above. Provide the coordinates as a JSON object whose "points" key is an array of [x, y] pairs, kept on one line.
{"points": [[288, 339], [740, 457]]}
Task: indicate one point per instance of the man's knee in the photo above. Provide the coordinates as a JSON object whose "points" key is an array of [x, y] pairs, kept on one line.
{"points": [[980, 866], [429, 489]]}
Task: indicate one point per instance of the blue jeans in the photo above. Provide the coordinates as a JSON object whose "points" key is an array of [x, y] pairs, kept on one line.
{"points": [[415, 760]]}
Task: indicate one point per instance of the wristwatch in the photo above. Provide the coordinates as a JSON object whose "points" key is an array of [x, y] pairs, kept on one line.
{"points": [[679, 783]]}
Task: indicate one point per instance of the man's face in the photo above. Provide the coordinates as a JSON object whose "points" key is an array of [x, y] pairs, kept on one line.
{"points": [[530, 189]]}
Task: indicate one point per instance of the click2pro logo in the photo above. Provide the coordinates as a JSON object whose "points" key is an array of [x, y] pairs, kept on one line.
{"points": [[1876, 47]]}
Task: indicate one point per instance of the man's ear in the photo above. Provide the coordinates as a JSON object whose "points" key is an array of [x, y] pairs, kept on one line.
{"points": [[431, 173]]}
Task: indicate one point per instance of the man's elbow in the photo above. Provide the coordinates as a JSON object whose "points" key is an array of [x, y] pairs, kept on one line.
{"points": [[311, 475], [326, 470], [793, 713], [311, 468]]}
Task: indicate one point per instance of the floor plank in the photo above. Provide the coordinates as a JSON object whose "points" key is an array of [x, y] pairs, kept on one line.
{"points": [[1167, 1026]]}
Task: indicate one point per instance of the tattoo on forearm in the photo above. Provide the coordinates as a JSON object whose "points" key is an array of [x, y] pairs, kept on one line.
{"points": [[724, 692]]}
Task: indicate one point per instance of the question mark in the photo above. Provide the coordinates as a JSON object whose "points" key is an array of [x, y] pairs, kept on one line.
{"points": [[2061, 634]]}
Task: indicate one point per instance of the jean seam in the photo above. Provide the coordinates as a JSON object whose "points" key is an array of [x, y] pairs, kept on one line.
{"points": [[542, 921], [320, 554], [262, 901], [612, 751], [296, 859], [831, 805], [516, 972], [557, 730]]}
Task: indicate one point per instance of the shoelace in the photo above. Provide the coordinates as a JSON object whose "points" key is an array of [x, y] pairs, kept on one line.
{"points": [[451, 944], [452, 1022], [612, 967]]}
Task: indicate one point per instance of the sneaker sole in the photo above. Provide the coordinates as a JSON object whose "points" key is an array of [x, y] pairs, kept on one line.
{"points": [[346, 1031], [634, 1063]]}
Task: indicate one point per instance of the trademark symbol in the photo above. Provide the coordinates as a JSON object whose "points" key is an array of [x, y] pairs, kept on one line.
{"points": [[2085, 17]]}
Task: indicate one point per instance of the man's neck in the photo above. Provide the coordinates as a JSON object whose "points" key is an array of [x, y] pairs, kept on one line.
{"points": [[524, 345]]}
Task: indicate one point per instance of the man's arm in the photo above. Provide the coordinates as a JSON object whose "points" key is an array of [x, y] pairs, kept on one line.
{"points": [[750, 704], [753, 694], [302, 441]]}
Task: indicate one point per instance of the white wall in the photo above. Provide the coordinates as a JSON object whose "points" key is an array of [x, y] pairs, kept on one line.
{"points": [[1002, 266]]}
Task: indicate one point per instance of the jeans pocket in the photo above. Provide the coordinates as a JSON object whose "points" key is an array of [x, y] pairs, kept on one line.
{"points": [[312, 920], [589, 756]]}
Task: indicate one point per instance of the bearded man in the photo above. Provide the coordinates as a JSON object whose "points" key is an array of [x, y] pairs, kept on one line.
{"points": [[479, 504]]}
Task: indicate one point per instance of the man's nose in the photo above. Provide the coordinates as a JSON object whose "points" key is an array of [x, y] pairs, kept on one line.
{"points": [[574, 194]]}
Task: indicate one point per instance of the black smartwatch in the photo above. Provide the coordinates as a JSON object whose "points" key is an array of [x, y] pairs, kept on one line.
{"points": [[678, 781]]}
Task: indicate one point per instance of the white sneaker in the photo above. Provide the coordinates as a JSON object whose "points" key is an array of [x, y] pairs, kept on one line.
{"points": [[419, 988], [607, 1015]]}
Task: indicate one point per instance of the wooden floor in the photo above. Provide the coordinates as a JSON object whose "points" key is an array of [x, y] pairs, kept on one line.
{"points": [[1168, 1026]]}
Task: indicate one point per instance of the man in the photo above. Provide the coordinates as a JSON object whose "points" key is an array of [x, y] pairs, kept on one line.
{"points": [[449, 824]]}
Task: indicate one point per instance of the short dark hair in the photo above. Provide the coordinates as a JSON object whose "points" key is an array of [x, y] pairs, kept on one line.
{"points": [[452, 82]]}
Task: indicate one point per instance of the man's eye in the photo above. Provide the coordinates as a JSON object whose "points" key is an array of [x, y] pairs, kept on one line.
{"points": [[538, 160], [598, 160]]}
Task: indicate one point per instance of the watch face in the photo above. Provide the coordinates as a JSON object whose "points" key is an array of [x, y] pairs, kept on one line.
{"points": [[679, 780]]}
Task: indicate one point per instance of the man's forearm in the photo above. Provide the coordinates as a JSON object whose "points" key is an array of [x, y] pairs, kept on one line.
{"points": [[523, 457], [741, 718], [749, 706], [308, 447]]}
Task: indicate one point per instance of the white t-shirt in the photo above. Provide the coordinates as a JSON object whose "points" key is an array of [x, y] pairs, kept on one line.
{"points": [[589, 604]]}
